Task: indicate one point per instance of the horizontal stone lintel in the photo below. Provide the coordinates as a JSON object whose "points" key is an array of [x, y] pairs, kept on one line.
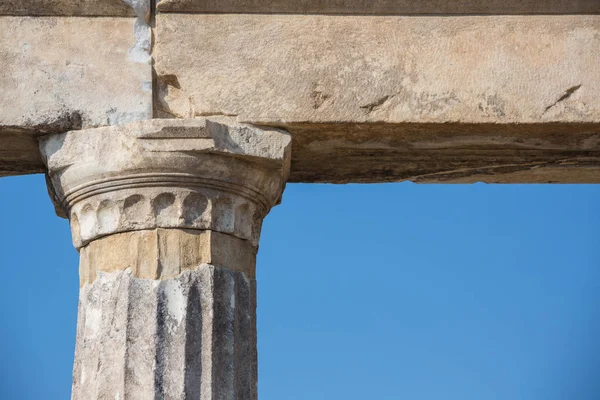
{"points": [[88, 8], [445, 153], [427, 153], [383, 7], [379, 99], [341, 69], [128, 8], [391, 98]]}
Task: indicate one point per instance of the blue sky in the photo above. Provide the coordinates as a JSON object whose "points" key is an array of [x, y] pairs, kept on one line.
{"points": [[398, 291]]}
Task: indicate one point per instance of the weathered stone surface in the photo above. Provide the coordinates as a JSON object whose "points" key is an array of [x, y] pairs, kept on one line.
{"points": [[188, 337], [19, 152], [165, 253], [428, 99], [347, 69], [191, 174], [405, 7], [374, 99], [445, 153], [167, 215], [69, 73], [117, 8], [427, 153], [60, 74]]}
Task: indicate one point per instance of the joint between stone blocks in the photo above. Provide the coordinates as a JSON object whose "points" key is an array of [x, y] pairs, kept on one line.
{"points": [[161, 254]]}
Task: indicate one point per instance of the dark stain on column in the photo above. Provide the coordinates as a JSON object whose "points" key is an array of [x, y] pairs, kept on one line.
{"points": [[223, 335], [161, 339], [193, 344]]}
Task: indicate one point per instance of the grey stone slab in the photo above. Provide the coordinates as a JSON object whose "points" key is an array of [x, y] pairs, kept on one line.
{"points": [[399, 7], [105, 8], [190, 337]]}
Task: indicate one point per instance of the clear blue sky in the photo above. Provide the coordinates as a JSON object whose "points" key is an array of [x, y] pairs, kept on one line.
{"points": [[379, 292]]}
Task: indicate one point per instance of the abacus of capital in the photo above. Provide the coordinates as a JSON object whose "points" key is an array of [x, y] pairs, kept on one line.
{"points": [[167, 130]]}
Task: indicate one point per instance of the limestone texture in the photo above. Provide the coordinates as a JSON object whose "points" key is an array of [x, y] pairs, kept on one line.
{"points": [[391, 98], [189, 174], [357, 69], [188, 337], [165, 253], [445, 153], [378, 7], [367, 96], [59, 74], [104, 8], [166, 215]]}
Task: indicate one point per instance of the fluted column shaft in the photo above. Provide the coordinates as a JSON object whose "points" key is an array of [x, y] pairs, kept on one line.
{"points": [[179, 329], [166, 215]]}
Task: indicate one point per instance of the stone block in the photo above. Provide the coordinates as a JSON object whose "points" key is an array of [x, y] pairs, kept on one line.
{"points": [[367, 98], [389, 98], [379, 7], [105, 8], [165, 253], [320, 69], [61, 73]]}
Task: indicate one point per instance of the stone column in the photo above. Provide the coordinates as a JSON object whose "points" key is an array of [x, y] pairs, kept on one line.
{"points": [[166, 215]]}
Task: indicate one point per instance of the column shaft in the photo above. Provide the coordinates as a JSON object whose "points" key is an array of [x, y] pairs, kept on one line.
{"points": [[190, 337]]}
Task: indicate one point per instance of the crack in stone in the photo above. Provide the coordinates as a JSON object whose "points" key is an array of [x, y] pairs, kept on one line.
{"points": [[499, 169], [369, 108], [376, 105], [568, 93], [214, 114]]}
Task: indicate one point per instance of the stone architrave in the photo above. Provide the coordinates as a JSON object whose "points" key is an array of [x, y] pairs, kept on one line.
{"points": [[166, 215]]}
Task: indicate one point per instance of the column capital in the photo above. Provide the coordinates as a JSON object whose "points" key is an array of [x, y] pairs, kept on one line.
{"points": [[197, 174]]}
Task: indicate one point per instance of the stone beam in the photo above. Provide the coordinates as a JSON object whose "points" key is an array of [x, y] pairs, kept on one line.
{"points": [[382, 7], [89, 8], [127, 8], [351, 69], [59, 74], [367, 98], [389, 98], [166, 215]]}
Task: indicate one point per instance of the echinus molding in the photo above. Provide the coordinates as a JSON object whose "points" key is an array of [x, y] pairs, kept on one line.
{"points": [[188, 174]]}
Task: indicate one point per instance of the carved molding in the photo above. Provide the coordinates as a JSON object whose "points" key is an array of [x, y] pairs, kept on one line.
{"points": [[186, 174]]}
